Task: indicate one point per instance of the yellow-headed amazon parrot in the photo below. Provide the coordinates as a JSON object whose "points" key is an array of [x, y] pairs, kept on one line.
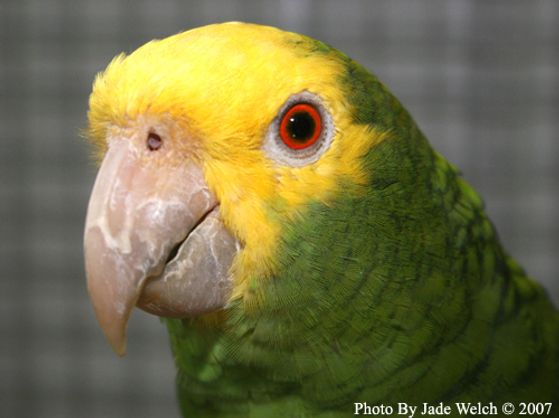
{"points": [[308, 248]]}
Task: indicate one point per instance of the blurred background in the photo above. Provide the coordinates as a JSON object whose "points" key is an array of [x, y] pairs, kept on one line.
{"points": [[481, 79]]}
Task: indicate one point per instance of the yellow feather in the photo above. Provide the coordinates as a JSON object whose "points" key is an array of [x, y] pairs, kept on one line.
{"points": [[223, 85]]}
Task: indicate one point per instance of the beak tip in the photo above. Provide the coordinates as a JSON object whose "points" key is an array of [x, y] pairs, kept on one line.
{"points": [[119, 347], [112, 306], [113, 324], [116, 337]]}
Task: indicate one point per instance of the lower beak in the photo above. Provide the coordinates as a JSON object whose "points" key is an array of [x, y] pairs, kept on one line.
{"points": [[153, 237]]}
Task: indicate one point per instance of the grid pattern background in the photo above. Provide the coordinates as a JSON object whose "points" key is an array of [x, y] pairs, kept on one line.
{"points": [[481, 79]]}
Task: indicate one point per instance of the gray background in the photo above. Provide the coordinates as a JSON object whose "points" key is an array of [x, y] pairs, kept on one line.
{"points": [[480, 77]]}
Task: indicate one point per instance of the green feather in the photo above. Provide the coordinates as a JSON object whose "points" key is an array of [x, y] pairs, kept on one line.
{"points": [[396, 291]]}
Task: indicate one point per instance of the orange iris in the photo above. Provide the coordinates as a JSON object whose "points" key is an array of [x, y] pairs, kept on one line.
{"points": [[300, 126]]}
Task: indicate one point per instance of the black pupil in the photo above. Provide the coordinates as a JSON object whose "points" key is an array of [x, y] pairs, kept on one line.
{"points": [[300, 126]]}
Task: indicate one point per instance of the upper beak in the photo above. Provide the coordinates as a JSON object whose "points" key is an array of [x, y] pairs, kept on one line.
{"points": [[140, 210]]}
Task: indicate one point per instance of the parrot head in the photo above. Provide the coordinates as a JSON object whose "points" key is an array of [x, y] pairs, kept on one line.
{"points": [[212, 143]]}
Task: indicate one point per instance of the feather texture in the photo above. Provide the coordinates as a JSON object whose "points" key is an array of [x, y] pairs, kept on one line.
{"points": [[371, 275]]}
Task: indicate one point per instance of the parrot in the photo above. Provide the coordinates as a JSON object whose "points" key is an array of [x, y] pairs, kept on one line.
{"points": [[304, 245]]}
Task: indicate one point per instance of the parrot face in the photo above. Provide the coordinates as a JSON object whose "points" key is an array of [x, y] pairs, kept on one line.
{"points": [[212, 141]]}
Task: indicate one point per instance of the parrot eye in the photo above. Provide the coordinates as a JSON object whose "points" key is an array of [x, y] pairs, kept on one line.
{"points": [[154, 141], [300, 126], [301, 132]]}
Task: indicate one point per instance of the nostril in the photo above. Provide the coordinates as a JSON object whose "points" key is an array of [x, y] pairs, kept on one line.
{"points": [[154, 141]]}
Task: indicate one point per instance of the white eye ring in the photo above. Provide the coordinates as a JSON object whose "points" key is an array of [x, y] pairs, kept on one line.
{"points": [[275, 147]]}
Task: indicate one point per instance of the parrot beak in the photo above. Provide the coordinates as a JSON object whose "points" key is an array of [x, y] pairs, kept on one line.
{"points": [[153, 238]]}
